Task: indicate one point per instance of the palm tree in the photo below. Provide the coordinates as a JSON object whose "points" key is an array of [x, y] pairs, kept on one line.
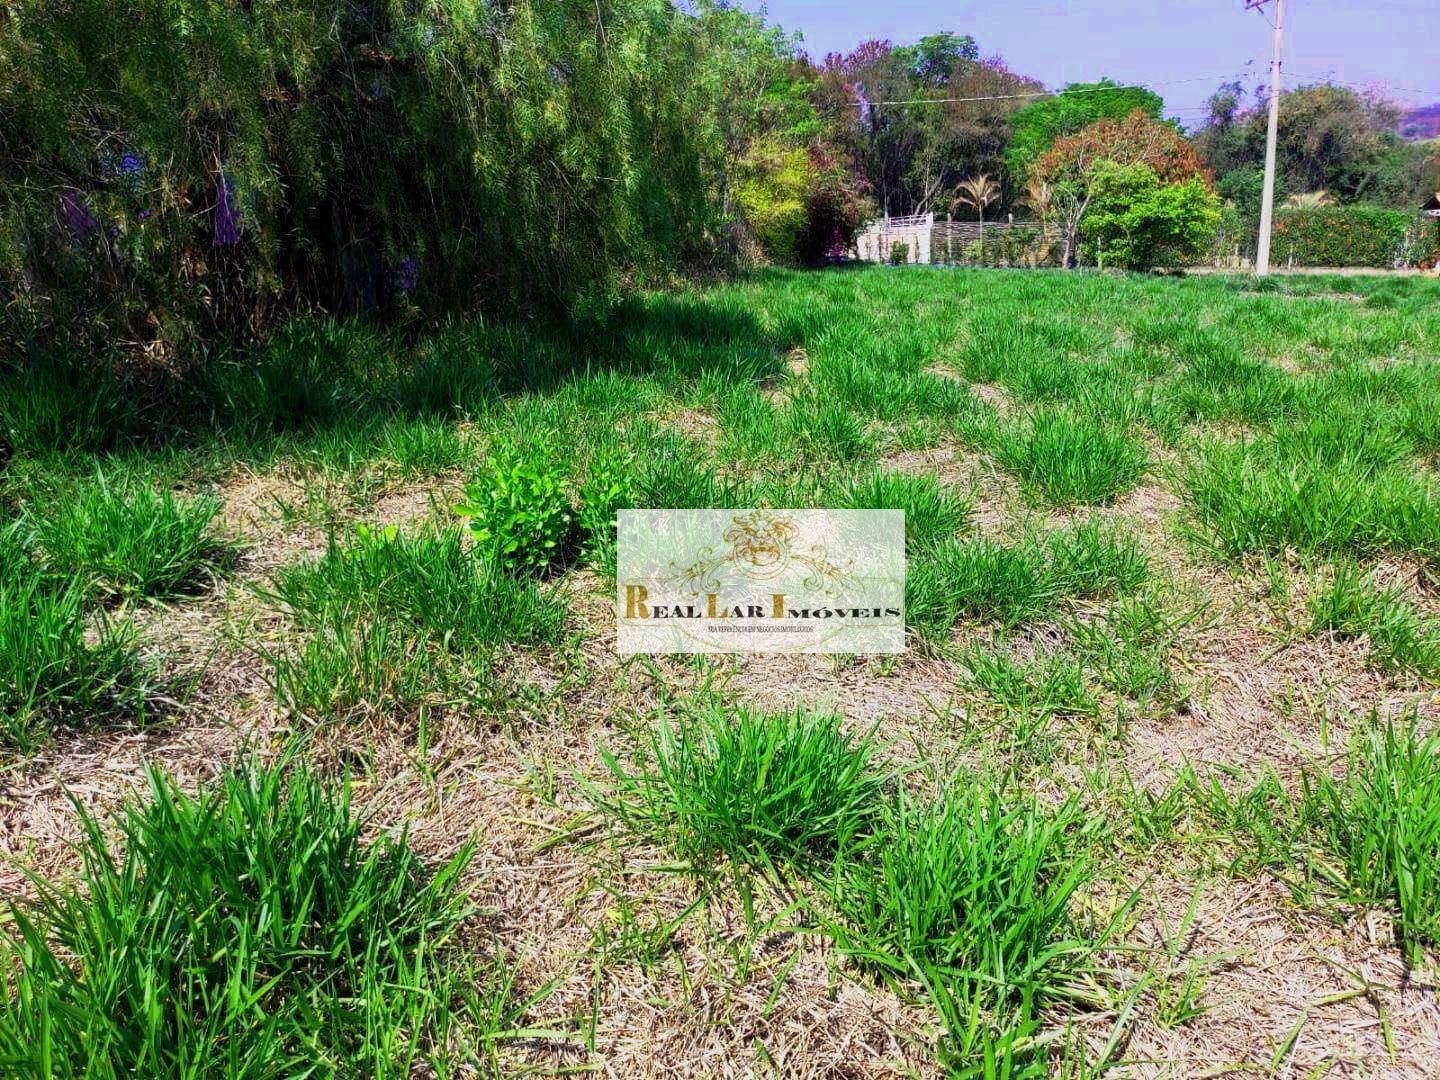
{"points": [[1040, 198], [979, 192], [1310, 200]]}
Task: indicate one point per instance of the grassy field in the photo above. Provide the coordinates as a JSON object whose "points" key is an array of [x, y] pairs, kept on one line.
{"points": [[315, 750]]}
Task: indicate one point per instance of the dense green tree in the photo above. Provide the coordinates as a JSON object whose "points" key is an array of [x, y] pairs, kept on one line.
{"points": [[173, 169], [1136, 222], [1067, 171], [1331, 138], [912, 155], [1039, 124]]}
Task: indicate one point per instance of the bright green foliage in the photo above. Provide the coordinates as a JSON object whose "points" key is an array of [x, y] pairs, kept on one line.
{"points": [[1381, 822], [1401, 638], [1045, 684], [764, 788], [426, 578], [1137, 223], [1038, 125], [933, 513], [518, 510], [1070, 457], [244, 931], [214, 165], [1262, 495], [1095, 559], [608, 488], [773, 190], [129, 540], [52, 673], [970, 883], [982, 579], [397, 619]]}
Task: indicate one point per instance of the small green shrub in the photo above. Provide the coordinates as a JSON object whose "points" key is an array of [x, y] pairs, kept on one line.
{"points": [[756, 787], [244, 931], [519, 513], [899, 252], [1071, 458], [1135, 222], [130, 540]]}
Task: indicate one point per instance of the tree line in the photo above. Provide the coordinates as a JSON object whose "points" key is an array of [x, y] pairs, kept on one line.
{"points": [[179, 172]]}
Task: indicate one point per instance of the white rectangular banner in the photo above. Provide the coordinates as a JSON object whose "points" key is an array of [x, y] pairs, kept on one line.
{"points": [[789, 581]]}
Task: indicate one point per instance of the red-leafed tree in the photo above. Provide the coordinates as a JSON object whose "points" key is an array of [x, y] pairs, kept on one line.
{"points": [[1068, 167]]}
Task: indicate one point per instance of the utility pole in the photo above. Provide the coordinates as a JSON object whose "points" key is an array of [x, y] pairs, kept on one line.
{"points": [[1267, 198]]}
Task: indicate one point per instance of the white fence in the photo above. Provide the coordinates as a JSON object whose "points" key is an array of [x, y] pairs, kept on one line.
{"points": [[920, 238]]}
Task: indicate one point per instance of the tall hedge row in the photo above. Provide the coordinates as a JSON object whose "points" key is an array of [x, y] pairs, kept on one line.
{"points": [[174, 170], [1367, 236]]}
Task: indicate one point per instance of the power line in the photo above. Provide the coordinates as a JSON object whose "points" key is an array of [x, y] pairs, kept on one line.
{"points": [[1372, 84], [1042, 93]]}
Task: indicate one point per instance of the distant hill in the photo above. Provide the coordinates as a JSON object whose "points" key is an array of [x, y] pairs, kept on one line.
{"points": [[1421, 123]]}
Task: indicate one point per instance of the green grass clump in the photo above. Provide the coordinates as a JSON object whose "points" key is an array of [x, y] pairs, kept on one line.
{"points": [[1266, 495], [979, 579], [970, 893], [427, 579], [425, 447], [1047, 683], [53, 401], [54, 675], [983, 579], [129, 540], [1093, 560], [1401, 638], [244, 931], [394, 617], [756, 787], [932, 513], [1069, 458], [1380, 824]]}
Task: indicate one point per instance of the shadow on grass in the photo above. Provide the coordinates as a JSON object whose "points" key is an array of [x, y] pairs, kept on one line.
{"points": [[318, 377]]}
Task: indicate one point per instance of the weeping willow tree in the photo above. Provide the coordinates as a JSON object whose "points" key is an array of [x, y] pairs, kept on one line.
{"points": [[173, 171]]}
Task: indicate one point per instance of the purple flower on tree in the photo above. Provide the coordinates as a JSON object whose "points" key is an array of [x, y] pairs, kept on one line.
{"points": [[227, 225], [132, 168], [407, 275]]}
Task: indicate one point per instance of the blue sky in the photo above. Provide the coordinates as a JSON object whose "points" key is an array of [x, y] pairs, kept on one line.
{"points": [[1394, 42]]}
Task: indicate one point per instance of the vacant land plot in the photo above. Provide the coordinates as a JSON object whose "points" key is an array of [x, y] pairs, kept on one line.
{"points": [[308, 674]]}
